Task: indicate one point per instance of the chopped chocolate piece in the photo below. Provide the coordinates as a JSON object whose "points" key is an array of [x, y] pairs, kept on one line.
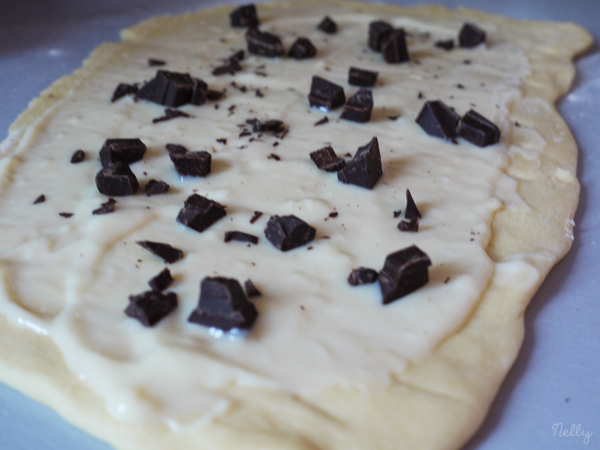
{"points": [[222, 141], [325, 94], [199, 92], [263, 43], [194, 164], [122, 90], [156, 62], [365, 168], [288, 232], [394, 47], [244, 133], [302, 49], [327, 25], [438, 120], [105, 208], [40, 199], [251, 290], [362, 275], [176, 148], [478, 130], [156, 187], [161, 281], [214, 95], [117, 181], [168, 88], [394, 117], [170, 114], [274, 156], [232, 67], [66, 215], [199, 213], [378, 32], [361, 77], [446, 45], [358, 107], [404, 271], [333, 214], [327, 160], [460, 86], [244, 17], [411, 225], [240, 236], [259, 93], [126, 151], [255, 216], [151, 306], [323, 121], [470, 36], [78, 156], [411, 207], [397, 213], [164, 251]]}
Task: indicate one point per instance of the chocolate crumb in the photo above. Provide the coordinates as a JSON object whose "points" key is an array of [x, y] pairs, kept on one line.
{"points": [[275, 144], [161, 281], [156, 62], [446, 45], [395, 117], [251, 290], [106, 207], [259, 93], [255, 216], [288, 232], [240, 236], [323, 121], [460, 86], [446, 280], [40, 199], [274, 157], [78, 156], [327, 25], [411, 225], [420, 96], [467, 61], [156, 187], [168, 253], [66, 215], [222, 141], [333, 214], [404, 271], [171, 114], [151, 307], [397, 213], [362, 275]]}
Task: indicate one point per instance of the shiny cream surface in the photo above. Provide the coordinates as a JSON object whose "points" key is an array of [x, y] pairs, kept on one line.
{"points": [[70, 278]]}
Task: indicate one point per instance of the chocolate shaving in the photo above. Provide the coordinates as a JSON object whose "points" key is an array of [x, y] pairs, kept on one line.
{"points": [[244, 17], [470, 36], [394, 117], [66, 215], [40, 199], [171, 114], [404, 272], [446, 45], [365, 168], [358, 107], [106, 207], [165, 251], [438, 120], [161, 281], [155, 187], [156, 62], [302, 49], [323, 121], [379, 31], [263, 43], [251, 290], [117, 180], [327, 25], [122, 90], [240, 236], [151, 307], [394, 47], [259, 93], [362, 275], [326, 159], [124, 151], [199, 213], [222, 141], [325, 95], [288, 232], [478, 130], [361, 77], [78, 156], [257, 215], [223, 305], [274, 157]]}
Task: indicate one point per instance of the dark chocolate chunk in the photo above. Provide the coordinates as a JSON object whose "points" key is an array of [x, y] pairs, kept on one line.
{"points": [[362, 275], [263, 43], [165, 251], [151, 306], [122, 90], [161, 281], [411, 207], [438, 120], [171, 114], [327, 160], [78, 156], [411, 225], [244, 17], [194, 164], [327, 25], [156, 187], [361, 77], [365, 168], [240, 236], [126, 151], [223, 305], [176, 148], [156, 62], [358, 107], [446, 45], [251, 290], [168, 88], [302, 49], [325, 94], [199, 92], [257, 215], [199, 213], [323, 121], [105, 208], [404, 271], [214, 95], [378, 32], [66, 215], [394, 47], [117, 181], [40, 199], [478, 130], [470, 36], [288, 232]]}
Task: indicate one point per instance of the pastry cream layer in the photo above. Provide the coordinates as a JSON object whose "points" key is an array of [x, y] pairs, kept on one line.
{"points": [[70, 278]]}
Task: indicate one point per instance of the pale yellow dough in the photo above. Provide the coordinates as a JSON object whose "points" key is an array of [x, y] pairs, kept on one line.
{"points": [[438, 401]]}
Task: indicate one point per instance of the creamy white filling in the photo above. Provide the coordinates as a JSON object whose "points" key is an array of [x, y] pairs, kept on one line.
{"points": [[70, 278]]}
